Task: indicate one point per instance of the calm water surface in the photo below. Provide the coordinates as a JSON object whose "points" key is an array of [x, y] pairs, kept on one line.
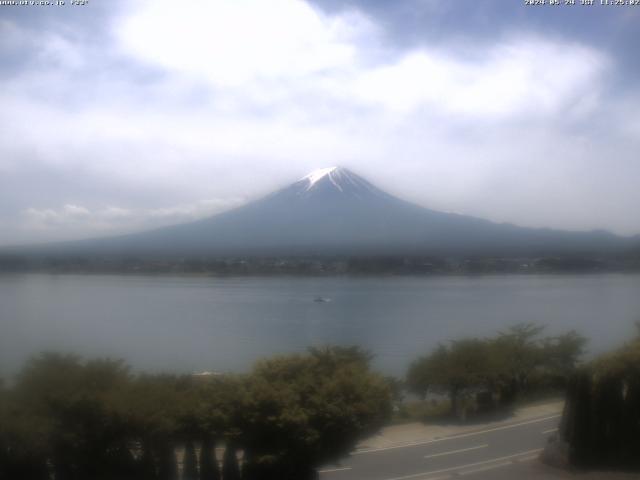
{"points": [[225, 324]]}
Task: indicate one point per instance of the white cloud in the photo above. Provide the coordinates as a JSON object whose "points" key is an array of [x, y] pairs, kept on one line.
{"points": [[521, 76], [233, 42], [75, 211], [41, 217], [48, 217], [70, 220], [274, 51]]}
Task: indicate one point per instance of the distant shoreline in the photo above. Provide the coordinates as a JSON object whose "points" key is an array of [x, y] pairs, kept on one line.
{"points": [[321, 266], [190, 274]]}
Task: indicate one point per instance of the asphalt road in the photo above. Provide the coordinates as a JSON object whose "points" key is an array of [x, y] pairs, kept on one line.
{"points": [[495, 452]]}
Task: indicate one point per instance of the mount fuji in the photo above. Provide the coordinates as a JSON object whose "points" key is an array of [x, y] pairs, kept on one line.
{"points": [[333, 211]]}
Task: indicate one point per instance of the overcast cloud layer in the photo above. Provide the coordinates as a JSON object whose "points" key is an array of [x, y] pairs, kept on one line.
{"points": [[122, 116]]}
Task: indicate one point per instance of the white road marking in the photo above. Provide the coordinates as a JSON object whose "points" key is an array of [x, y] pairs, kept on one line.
{"points": [[331, 470], [453, 437], [544, 432], [485, 468], [456, 451], [527, 458], [461, 467]]}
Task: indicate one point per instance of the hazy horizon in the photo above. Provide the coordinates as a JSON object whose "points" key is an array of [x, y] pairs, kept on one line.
{"points": [[318, 174], [124, 117]]}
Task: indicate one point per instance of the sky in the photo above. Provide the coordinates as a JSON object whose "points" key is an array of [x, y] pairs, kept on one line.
{"points": [[120, 116]]}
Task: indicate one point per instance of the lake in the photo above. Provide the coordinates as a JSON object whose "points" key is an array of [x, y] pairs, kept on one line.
{"points": [[189, 324]]}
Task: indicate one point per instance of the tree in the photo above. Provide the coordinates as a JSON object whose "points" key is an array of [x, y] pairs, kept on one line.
{"points": [[212, 416], [71, 419], [463, 366], [601, 421], [517, 353], [304, 410], [22, 453], [209, 469], [230, 468], [561, 354], [190, 462], [155, 406], [65, 414], [517, 360]]}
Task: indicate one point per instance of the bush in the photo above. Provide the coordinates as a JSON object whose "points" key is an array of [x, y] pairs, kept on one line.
{"points": [[601, 421], [73, 419], [516, 362]]}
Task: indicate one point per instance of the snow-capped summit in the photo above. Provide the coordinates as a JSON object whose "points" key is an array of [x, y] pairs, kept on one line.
{"points": [[335, 180], [319, 174]]}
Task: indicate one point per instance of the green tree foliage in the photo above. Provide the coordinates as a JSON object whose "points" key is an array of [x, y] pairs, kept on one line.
{"points": [[230, 467], [561, 354], [22, 451], [209, 469], [303, 410], [73, 405], [453, 369], [601, 421], [516, 361], [190, 462], [518, 355], [529, 361], [70, 419], [154, 406]]}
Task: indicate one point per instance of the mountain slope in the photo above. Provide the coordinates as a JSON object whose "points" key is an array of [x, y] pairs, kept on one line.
{"points": [[334, 211]]}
